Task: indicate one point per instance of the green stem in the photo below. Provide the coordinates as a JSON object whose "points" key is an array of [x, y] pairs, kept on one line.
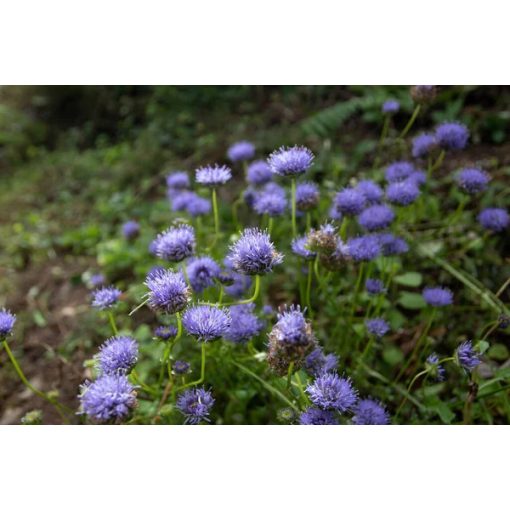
{"points": [[270, 225], [293, 193], [289, 374], [112, 323], [202, 371], [409, 125], [404, 400], [216, 214], [309, 288], [168, 349], [255, 294]]}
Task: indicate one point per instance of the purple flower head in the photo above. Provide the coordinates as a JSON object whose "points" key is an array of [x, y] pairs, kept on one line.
{"points": [[374, 286], [290, 160], [314, 416], [202, 272], [130, 229], [259, 173], [399, 171], [241, 151], [300, 249], [168, 291], [291, 327], [495, 219], [97, 279], [371, 191], [370, 412], [249, 195], [118, 355], [350, 201], [418, 178], [452, 136], [437, 370], [178, 181], [318, 363], [267, 310], [467, 357], [206, 323], [390, 107], [472, 180], [180, 367], [254, 253], [363, 248], [402, 193], [438, 296], [105, 297], [376, 217], [153, 271], [192, 203], [213, 175], [244, 324], [334, 213], [179, 199], [165, 332], [423, 145], [329, 391], [195, 404], [176, 243], [307, 196], [109, 398], [7, 320], [270, 200], [392, 245], [377, 327]]}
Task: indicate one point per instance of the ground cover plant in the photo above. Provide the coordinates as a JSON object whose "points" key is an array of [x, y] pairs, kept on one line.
{"points": [[346, 264]]}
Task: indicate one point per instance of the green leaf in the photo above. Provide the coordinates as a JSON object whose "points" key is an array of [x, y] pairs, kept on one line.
{"points": [[411, 279], [411, 300], [393, 355], [444, 412], [498, 352], [39, 319], [482, 346]]}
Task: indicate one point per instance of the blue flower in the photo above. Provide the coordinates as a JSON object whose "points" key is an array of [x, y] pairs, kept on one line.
{"points": [[370, 412], [202, 272], [270, 200], [206, 323], [390, 106], [329, 391], [97, 279], [466, 356], [241, 151], [178, 181], [176, 243], [300, 249], [7, 320], [259, 173], [472, 180], [244, 324], [399, 171], [418, 178], [118, 355], [167, 291], [130, 229], [192, 203], [105, 297], [376, 217], [402, 192], [314, 416], [290, 160], [372, 192], [307, 196], [195, 404], [374, 286], [180, 367], [423, 145], [363, 248], [165, 332], [318, 363], [438, 296], [495, 219], [213, 175], [292, 327], [350, 201], [392, 245], [437, 370], [377, 327], [452, 135]]}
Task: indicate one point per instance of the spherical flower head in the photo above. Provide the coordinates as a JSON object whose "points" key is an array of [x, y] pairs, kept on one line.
{"points": [[244, 324], [241, 151], [392, 245], [176, 243], [329, 391], [318, 363], [179, 199], [377, 327], [495, 219], [109, 398], [374, 286], [307, 196], [438, 296], [213, 176], [350, 201], [206, 323], [402, 193], [467, 357], [292, 327], [334, 213], [299, 247], [165, 332], [168, 291], [197, 206], [268, 310], [271, 200], [390, 107], [472, 180], [202, 272], [180, 367], [435, 369], [195, 404], [452, 136], [376, 217], [418, 178], [105, 297], [314, 416], [372, 192], [370, 412], [118, 355], [130, 229], [7, 320], [423, 145], [324, 239], [254, 253], [423, 94], [363, 248], [259, 173], [290, 161], [399, 171], [178, 180], [97, 279]]}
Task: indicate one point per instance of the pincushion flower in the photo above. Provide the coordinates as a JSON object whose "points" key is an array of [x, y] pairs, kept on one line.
{"points": [[374, 286], [435, 369], [168, 291], [213, 176], [271, 200], [350, 201], [438, 296], [195, 404], [105, 297], [292, 327], [290, 161], [315, 416], [206, 323], [472, 180], [467, 357], [97, 279], [390, 106], [452, 135], [372, 192], [176, 243], [130, 229], [259, 173], [180, 367], [399, 171], [300, 249], [376, 217], [7, 321], [318, 363], [391, 244], [192, 203], [165, 332], [329, 391], [370, 412], [178, 181], [377, 327], [363, 248], [241, 151], [418, 178], [117, 355], [423, 145], [307, 196], [494, 218], [244, 324], [423, 94], [402, 192], [202, 272]]}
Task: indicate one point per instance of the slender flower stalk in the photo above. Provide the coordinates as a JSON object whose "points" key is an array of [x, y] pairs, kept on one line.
{"points": [[293, 205], [409, 125], [202, 370]]}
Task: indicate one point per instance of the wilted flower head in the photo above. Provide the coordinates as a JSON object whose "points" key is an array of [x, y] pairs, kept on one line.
{"points": [[167, 291], [495, 219], [105, 297], [109, 398], [363, 248], [254, 253], [423, 145], [176, 243], [472, 180], [372, 192], [259, 173], [329, 391], [178, 180], [376, 217], [402, 192], [270, 200], [300, 249], [290, 160], [350, 201], [318, 363], [180, 367], [370, 412], [467, 357], [324, 239], [315, 416], [392, 245], [7, 320], [423, 94], [202, 272], [377, 327], [399, 171], [206, 323], [390, 106], [118, 355], [374, 286], [213, 175], [437, 371], [165, 332], [244, 323], [307, 196], [452, 135], [195, 404], [438, 296], [240, 151], [130, 229]]}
